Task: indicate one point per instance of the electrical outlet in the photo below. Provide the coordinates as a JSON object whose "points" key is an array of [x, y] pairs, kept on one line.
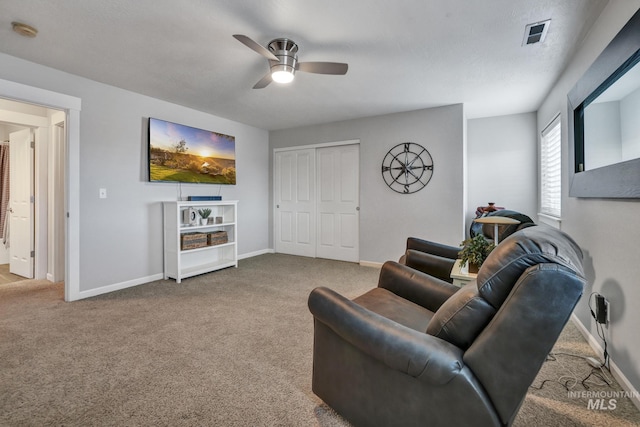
{"points": [[103, 193]]}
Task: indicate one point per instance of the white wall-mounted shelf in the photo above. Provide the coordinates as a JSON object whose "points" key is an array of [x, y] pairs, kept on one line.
{"points": [[182, 263]]}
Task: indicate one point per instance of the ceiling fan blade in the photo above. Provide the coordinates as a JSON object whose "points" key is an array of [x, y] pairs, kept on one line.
{"points": [[263, 82], [255, 46], [337, 68]]}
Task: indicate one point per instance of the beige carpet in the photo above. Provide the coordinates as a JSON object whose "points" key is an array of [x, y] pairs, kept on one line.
{"points": [[231, 348], [8, 277]]}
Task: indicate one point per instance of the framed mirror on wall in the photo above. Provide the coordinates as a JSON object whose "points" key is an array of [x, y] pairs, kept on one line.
{"points": [[604, 129]]}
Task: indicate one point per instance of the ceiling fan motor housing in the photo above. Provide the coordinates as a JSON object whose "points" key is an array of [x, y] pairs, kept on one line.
{"points": [[286, 51]]}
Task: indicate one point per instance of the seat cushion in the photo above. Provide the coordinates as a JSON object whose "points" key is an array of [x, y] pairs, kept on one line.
{"points": [[530, 246], [398, 309], [462, 317]]}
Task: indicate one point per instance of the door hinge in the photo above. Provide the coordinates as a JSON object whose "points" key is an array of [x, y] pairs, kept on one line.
{"points": [[33, 144], [33, 254], [32, 199]]}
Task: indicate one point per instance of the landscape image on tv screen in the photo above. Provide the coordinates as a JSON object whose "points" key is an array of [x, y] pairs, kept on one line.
{"points": [[179, 153]]}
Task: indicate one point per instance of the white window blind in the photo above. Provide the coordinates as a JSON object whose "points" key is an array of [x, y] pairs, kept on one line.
{"points": [[550, 170]]}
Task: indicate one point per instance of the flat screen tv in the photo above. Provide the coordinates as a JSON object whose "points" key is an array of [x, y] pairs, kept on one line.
{"points": [[179, 153]]}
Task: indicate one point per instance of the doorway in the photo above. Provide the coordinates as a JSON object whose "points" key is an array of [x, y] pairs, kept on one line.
{"points": [[71, 106], [316, 192], [36, 203]]}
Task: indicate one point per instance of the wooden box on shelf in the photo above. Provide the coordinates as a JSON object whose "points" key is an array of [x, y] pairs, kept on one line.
{"points": [[193, 240], [217, 238]]}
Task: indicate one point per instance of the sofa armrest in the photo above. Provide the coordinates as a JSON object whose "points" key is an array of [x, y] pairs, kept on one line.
{"points": [[433, 248], [433, 265], [414, 353], [415, 286]]}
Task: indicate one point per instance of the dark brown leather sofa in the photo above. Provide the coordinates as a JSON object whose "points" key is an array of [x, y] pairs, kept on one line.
{"points": [[419, 351]]}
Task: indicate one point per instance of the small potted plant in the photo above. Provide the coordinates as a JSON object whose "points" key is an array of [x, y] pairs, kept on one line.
{"points": [[204, 215], [474, 251]]}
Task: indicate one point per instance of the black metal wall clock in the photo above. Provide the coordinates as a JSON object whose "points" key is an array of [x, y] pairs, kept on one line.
{"points": [[407, 168]]}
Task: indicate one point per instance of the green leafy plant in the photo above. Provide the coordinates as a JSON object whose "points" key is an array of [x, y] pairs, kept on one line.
{"points": [[475, 250], [204, 213]]}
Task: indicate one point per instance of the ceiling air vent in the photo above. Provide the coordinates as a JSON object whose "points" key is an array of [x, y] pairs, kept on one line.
{"points": [[536, 32]]}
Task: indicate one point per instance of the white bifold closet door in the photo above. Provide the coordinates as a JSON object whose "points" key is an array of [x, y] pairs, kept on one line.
{"points": [[317, 202]]}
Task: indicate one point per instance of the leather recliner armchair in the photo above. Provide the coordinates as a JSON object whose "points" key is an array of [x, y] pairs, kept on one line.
{"points": [[419, 351], [437, 259]]}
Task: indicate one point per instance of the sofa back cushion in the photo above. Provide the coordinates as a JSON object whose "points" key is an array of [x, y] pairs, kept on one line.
{"points": [[523, 249], [461, 318]]}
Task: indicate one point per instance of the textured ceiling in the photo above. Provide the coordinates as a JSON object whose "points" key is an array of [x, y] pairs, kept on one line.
{"points": [[402, 55]]}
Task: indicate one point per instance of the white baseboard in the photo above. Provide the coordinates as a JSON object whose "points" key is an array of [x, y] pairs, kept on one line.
{"points": [[371, 264], [142, 280], [119, 286], [615, 371], [256, 253]]}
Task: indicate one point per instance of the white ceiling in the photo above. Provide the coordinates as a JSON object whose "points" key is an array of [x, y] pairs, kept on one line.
{"points": [[402, 55]]}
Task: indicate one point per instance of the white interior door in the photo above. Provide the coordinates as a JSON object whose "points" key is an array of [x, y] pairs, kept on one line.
{"points": [[294, 182], [338, 202], [21, 225]]}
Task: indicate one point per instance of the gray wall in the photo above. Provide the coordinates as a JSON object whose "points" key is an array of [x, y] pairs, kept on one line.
{"points": [[607, 230], [387, 218], [501, 163], [121, 236]]}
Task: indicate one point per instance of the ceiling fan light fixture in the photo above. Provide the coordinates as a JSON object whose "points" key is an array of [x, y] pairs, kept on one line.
{"points": [[282, 54], [282, 73], [24, 29]]}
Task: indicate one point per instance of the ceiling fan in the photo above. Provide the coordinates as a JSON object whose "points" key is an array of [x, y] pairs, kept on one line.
{"points": [[282, 54]]}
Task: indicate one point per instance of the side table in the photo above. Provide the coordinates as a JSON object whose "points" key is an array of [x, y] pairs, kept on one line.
{"points": [[460, 277]]}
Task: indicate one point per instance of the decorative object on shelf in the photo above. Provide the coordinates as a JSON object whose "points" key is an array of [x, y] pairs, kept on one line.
{"points": [[189, 217], [203, 198], [474, 251], [204, 215], [407, 168], [483, 210], [218, 220], [179, 153]]}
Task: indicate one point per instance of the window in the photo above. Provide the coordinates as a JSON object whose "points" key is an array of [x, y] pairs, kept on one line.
{"points": [[550, 170]]}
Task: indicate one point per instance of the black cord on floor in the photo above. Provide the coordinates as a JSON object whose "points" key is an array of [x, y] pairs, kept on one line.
{"points": [[572, 381], [597, 372]]}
